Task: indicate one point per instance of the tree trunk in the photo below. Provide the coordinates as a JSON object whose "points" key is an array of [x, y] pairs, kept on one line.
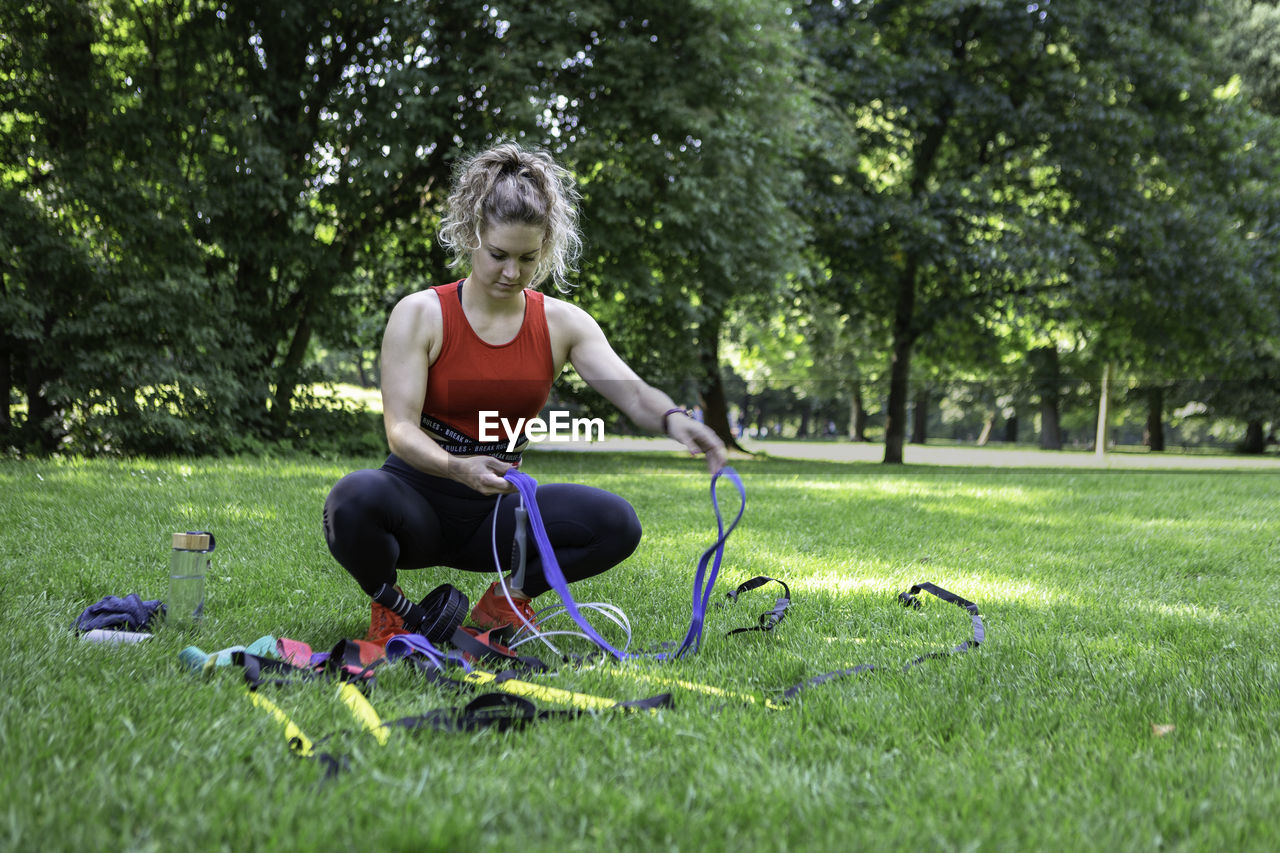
{"points": [[905, 331], [1050, 426], [289, 370], [361, 373], [988, 424], [858, 416], [920, 417], [715, 410], [41, 428], [6, 389], [1153, 435], [1255, 437], [895, 427], [1011, 429], [1048, 381], [1104, 413]]}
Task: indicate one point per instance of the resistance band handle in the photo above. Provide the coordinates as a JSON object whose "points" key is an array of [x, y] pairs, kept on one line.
{"points": [[520, 546], [769, 619], [909, 599]]}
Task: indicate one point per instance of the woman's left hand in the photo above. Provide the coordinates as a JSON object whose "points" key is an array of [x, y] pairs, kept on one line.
{"points": [[699, 439]]}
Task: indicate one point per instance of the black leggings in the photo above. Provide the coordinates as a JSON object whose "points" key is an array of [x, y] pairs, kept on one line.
{"points": [[395, 517]]}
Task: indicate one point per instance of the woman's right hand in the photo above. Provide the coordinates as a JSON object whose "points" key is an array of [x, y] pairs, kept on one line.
{"points": [[482, 473]]}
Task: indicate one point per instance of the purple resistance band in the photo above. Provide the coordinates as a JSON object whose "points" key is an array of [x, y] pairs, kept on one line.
{"points": [[703, 581]]}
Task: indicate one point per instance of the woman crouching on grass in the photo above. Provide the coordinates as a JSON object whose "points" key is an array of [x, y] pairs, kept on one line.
{"points": [[490, 343]]}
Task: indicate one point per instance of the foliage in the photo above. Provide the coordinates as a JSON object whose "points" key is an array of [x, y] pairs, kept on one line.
{"points": [[204, 206], [990, 157], [687, 177]]}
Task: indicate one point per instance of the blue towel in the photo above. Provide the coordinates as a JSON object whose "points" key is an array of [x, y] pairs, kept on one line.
{"points": [[130, 613]]}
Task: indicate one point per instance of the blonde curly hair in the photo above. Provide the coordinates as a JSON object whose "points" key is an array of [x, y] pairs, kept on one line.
{"points": [[511, 185]]}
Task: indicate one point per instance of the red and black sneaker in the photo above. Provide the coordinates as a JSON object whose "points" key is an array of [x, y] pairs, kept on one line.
{"points": [[494, 611], [384, 623]]}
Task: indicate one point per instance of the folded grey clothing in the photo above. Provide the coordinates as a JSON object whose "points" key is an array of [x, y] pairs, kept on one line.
{"points": [[130, 613]]}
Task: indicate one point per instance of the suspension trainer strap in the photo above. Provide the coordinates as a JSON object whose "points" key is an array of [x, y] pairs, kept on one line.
{"points": [[413, 645], [790, 692], [499, 711], [908, 599], [769, 619], [262, 670], [508, 683], [527, 486], [299, 744]]}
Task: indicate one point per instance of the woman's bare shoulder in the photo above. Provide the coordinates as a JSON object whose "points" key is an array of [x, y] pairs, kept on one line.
{"points": [[416, 320], [565, 316]]}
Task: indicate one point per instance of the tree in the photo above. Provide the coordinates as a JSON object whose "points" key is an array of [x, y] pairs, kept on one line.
{"points": [[102, 295], [1249, 362], [268, 168], [983, 132], [682, 118]]}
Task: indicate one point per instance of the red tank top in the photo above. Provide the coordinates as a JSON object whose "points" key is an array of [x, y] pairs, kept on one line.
{"points": [[470, 376]]}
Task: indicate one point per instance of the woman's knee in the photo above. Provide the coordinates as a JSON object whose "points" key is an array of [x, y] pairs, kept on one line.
{"points": [[616, 524], [628, 526], [352, 503], [593, 518]]}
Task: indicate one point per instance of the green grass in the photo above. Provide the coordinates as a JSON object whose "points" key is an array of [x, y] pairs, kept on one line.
{"points": [[1115, 601]]}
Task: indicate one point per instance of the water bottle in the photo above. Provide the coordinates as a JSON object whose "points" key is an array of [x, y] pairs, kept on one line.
{"points": [[188, 564]]}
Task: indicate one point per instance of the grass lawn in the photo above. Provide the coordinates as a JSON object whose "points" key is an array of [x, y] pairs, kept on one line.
{"points": [[1127, 697]]}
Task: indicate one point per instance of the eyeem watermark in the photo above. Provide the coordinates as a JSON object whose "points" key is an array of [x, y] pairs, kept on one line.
{"points": [[558, 427]]}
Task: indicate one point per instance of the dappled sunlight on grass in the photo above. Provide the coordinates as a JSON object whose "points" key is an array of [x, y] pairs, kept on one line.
{"points": [[912, 488], [1192, 612]]}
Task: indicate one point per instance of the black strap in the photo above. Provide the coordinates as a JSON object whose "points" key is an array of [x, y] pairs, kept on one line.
{"points": [[478, 649], [769, 619], [259, 671], [345, 663], [907, 599], [791, 692], [501, 711], [660, 700]]}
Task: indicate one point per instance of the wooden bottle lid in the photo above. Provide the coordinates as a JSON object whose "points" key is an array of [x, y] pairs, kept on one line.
{"points": [[191, 541]]}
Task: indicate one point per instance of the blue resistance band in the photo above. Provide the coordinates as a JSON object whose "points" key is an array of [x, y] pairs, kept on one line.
{"points": [[703, 582]]}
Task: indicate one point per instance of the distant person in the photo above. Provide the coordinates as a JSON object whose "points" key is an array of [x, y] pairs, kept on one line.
{"points": [[490, 342]]}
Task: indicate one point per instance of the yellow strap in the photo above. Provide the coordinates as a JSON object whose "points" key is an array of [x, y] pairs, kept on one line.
{"points": [[706, 689], [537, 691], [363, 711], [298, 742]]}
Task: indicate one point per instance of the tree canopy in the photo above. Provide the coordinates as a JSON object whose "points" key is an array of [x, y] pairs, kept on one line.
{"points": [[196, 197]]}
